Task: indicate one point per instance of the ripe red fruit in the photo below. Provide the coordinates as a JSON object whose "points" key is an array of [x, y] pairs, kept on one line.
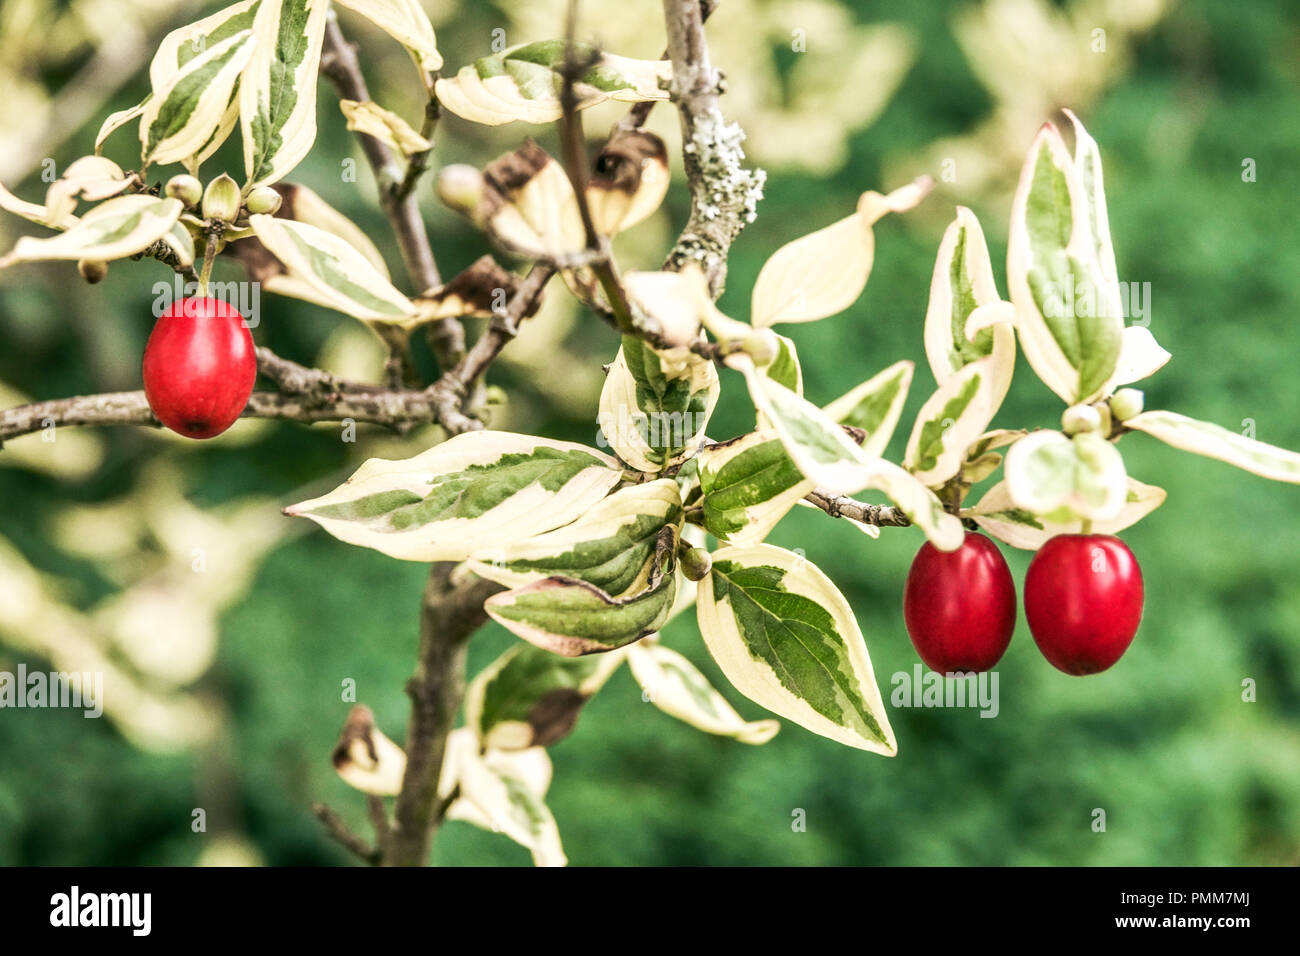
{"points": [[960, 606], [1083, 601], [199, 367]]}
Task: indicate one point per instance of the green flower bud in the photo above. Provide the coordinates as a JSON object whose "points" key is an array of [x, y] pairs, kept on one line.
{"points": [[92, 270], [696, 563], [1127, 403], [221, 200], [460, 188], [1080, 418], [185, 188], [263, 200]]}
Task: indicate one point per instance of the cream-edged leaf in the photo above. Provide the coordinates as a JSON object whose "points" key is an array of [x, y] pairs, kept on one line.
{"points": [[523, 83], [674, 685], [875, 406], [962, 281], [60, 218], [1140, 357], [476, 491], [1068, 310], [919, 503], [184, 44], [384, 125], [611, 546], [1214, 441], [787, 639], [1052, 475], [338, 273], [365, 758], [115, 121], [571, 617], [530, 697], [999, 516], [406, 22], [748, 484], [655, 405], [183, 115], [277, 92], [114, 229], [824, 272], [531, 208]]}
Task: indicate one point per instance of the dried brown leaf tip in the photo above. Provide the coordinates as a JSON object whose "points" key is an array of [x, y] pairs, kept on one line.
{"points": [[629, 180], [481, 290], [365, 758]]}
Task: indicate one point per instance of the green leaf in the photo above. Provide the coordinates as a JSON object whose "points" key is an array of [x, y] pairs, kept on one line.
{"points": [[785, 368], [1214, 441], [476, 491], [523, 83], [530, 697], [1068, 309], [277, 94], [674, 685], [787, 639], [654, 406], [612, 546]]}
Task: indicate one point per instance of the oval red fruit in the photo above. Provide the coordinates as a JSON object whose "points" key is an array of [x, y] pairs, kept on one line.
{"points": [[199, 367], [1083, 601], [960, 606]]}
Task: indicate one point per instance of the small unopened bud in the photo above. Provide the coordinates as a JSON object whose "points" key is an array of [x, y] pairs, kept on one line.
{"points": [[221, 200], [93, 270], [185, 188], [762, 346], [1080, 418], [696, 563], [1127, 403], [460, 187], [263, 200]]}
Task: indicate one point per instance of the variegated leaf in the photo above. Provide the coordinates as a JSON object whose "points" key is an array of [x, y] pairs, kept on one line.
{"points": [[612, 546], [824, 272], [919, 503], [998, 515], [193, 40], [277, 93], [748, 484], [630, 179], [655, 405], [819, 447], [674, 685], [523, 83], [573, 618], [787, 639], [338, 274], [384, 125], [406, 22], [184, 114], [366, 758], [1050, 475], [1214, 441], [1140, 357], [785, 369], [531, 208], [962, 282], [478, 490], [1068, 310], [115, 121], [503, 791], [530, 697], [675, 301], [114, 229], [60, 218], [875, 406]]}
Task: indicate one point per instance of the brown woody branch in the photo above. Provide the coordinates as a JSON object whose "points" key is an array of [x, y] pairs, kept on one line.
{"points": [[842, 506]]}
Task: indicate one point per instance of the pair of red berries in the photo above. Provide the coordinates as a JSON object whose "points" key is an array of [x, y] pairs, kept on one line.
{"points": [[1083, 601], [199, 367]]}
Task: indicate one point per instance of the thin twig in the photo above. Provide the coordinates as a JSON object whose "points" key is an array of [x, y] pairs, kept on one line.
{"points": [[841, 506], [343, 836]]}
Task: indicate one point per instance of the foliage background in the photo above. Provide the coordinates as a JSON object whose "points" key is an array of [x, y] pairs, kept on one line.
{"points": [[1186, 772]]}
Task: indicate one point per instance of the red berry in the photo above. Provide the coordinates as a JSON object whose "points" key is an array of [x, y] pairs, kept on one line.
{"points": [[199, 367], [1083, 601], [960, 606]]}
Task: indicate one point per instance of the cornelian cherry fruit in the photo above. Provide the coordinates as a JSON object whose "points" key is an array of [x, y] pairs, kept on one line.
{"points": [[199, 367], [960, 606], [1083, 601]]}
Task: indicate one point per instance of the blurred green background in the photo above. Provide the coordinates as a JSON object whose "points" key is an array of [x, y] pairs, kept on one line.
{"points": [[235, 673]]}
